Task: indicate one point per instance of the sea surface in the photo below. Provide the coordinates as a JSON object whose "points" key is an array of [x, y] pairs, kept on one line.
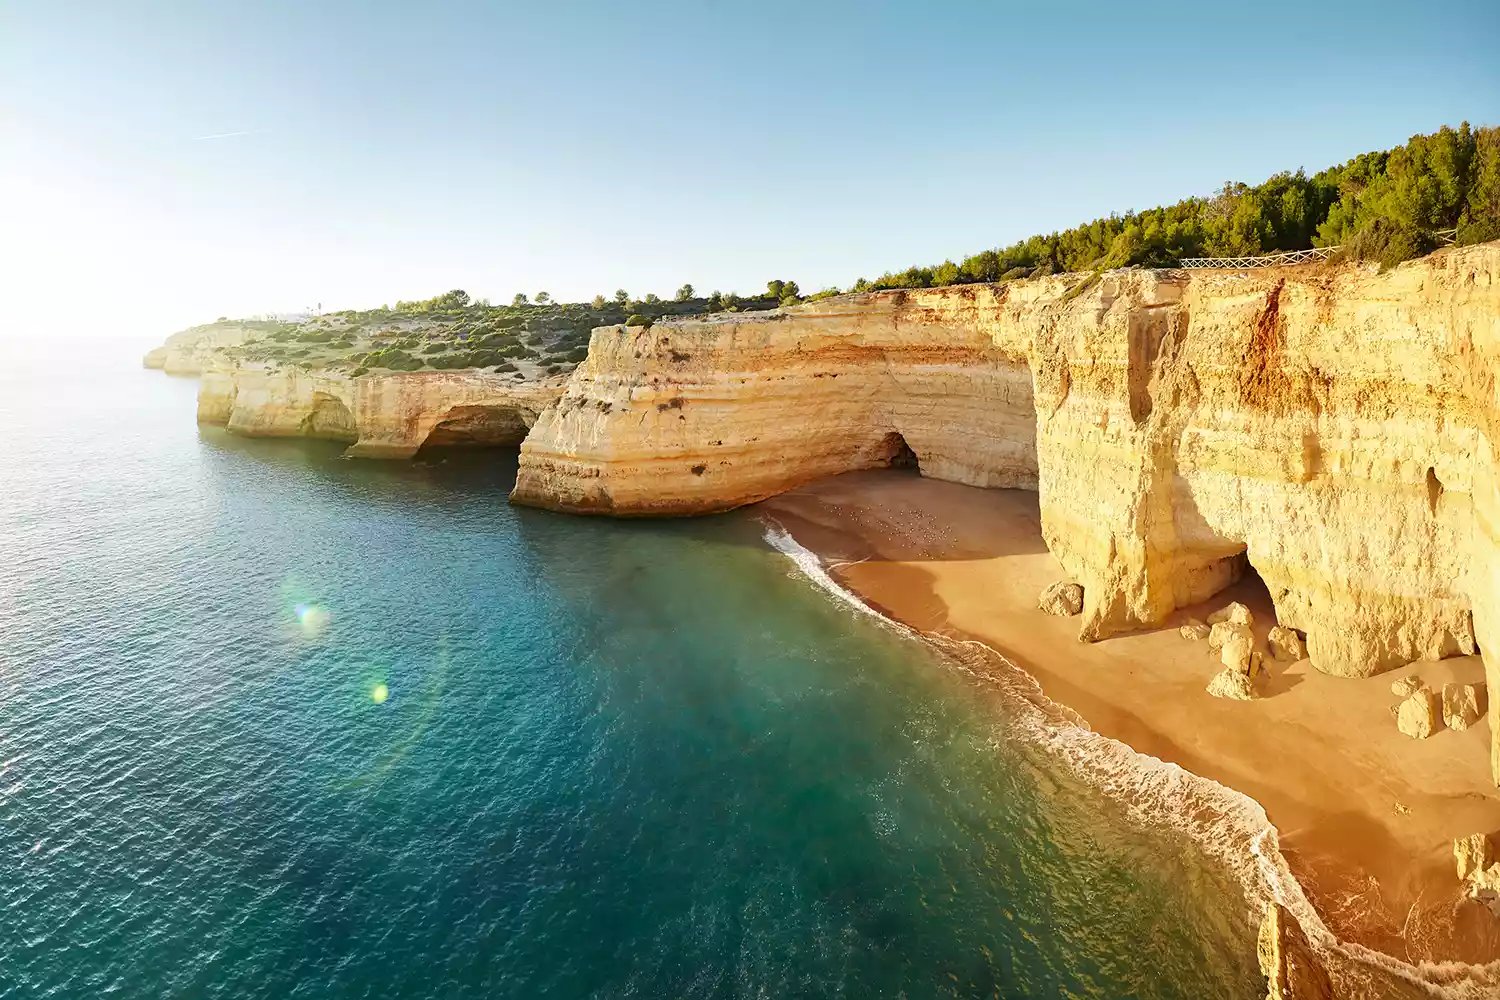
{"points": [[274, 723]]}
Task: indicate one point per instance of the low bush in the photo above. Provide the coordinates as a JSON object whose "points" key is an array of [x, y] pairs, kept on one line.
{"points": [[636, 319], [1388, 242]]}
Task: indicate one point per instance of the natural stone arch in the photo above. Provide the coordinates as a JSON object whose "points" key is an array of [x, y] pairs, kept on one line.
{"points": [[479, 426], [330, 419]]}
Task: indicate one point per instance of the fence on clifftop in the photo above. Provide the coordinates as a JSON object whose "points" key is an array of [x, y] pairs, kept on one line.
{"points": [[1444, 237]]}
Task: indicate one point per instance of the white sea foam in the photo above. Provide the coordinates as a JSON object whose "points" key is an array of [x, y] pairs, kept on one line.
{"points": [[1229, 826]]}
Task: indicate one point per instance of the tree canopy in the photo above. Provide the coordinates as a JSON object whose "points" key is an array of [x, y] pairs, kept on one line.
{"points": [[1385, 206]]}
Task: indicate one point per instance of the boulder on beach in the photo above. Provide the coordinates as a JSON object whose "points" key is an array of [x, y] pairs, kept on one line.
{"points": [[1405, 687], [1222, 631], [1236, 613], [1418, 716], [1233, 684], [1286, 644], [1472, 854], [1062, 599], [1195, 630], [1460, 705], [1235, 653]]}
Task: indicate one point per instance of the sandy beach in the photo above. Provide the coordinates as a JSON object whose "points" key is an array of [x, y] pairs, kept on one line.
{"points": [[1367, 815]]}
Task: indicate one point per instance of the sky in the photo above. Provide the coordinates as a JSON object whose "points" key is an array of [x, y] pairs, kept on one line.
{"points": [[165, 163]]}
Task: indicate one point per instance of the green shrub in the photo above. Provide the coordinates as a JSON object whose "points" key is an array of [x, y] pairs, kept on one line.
{"points": [[361, 370], [636, 319], [1389, 242], [1480, 231], [576, 355]]}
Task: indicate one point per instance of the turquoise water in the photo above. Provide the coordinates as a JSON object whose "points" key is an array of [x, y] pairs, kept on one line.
{"points": [[611, 759]]}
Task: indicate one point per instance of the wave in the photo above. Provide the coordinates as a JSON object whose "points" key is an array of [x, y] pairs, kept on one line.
{"points": [[1228, 825]]}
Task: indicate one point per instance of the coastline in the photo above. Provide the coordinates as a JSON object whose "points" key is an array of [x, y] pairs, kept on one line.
{"points": [[1358, 818]]}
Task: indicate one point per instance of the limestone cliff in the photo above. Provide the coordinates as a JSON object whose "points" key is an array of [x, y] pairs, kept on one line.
{"points": [[386, 415], [192, 351], [1331, 425]]}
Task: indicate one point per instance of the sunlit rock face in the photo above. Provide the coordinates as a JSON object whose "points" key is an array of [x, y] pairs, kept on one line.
{"points": [[697, 416], [1330, 425], [193, 351], [380, 415]]}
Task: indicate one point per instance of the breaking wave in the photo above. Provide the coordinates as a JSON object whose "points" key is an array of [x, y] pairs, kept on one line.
{"points": [[1229, 826]]}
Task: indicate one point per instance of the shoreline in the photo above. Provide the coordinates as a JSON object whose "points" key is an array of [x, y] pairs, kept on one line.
{"points": [[1362, 817]]}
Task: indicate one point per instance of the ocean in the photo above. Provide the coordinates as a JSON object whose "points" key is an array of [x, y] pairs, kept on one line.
{"points": [[274, 723]]}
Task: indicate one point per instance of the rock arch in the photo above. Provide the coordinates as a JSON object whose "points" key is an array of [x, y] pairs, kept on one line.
{"points": [[329, 418], [479, 426]]}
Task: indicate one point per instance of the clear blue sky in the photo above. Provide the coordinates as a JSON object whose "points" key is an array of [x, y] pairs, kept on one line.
{"points": [[396, 150]]}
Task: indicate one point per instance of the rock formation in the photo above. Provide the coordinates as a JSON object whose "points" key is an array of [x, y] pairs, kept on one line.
{"points": [[1460, 705], [1405, 687], [1332, 426], [1471, 854], [192, 351], [381, 416], [1420, 715], [1195, 630], [1287, 960], [1062, 599], [1286, 644], [1234, 683]]}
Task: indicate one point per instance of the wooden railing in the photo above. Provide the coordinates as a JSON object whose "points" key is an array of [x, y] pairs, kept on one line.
{"points": [[1444, 237]]}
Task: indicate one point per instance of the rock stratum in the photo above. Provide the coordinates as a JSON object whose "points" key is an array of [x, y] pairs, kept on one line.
{"points": [[1331, 427]]}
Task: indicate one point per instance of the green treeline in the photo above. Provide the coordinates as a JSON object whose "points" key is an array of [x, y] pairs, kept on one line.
{"points": [[1384, 206]]}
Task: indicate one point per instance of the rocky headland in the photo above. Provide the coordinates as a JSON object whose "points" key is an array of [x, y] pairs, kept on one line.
{"points": [[1325, 429]]}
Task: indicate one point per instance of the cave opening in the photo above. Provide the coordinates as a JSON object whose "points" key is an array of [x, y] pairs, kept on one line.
{"points": [[895, 453], [330, 419], [469, 427]]}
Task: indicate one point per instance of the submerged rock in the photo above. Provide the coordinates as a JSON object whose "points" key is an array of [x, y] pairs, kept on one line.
{"points": [[1287, 961], [1062, 599], [1418, 715], [1472, 855], [1405, 687], [1286, 644], [1460, 705], [1235, 612], [1233, 684], [1195, 630]]}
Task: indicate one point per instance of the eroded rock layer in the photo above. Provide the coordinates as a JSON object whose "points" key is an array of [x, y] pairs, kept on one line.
{"points": [[1332, 426], [381, 416]]}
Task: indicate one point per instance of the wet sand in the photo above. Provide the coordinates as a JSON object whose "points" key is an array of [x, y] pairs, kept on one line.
{"points": [[1366, 815]]}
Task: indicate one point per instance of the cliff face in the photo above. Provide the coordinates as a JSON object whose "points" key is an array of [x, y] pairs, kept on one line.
{"points": [[381, 416], [191, 352], [698, 416], [1332, 426]]}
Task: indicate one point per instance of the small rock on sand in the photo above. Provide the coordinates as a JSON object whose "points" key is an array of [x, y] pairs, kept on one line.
{"points": [[1472, 853], [1235, 612], [1195, 630], [1418, 716], [1062, 599], [1232, 683], [1405, 687], [1286, 644], [1460, 705]]}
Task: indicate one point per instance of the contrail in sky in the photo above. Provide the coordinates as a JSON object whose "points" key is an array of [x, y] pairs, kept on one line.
{"points": [[227, 135]]}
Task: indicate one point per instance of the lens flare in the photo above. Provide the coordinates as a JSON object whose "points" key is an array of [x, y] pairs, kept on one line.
{"points": [[380, 694], [312, 618]]}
